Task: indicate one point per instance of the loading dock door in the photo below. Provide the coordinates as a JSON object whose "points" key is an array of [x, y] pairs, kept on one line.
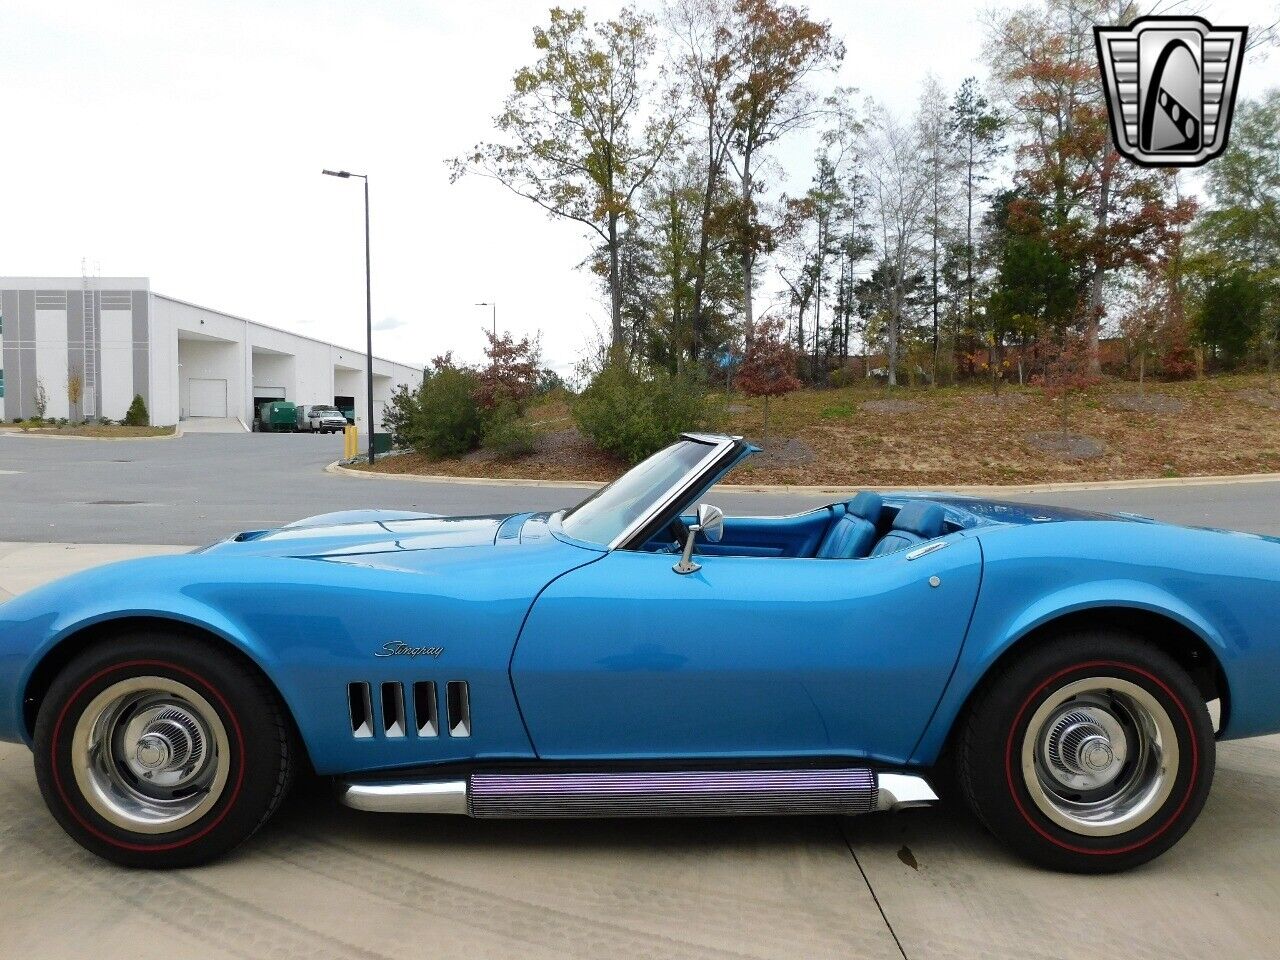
{"points": [[208, 398]]}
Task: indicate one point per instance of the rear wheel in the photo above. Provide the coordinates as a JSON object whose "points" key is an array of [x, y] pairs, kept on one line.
{"points": [[161, 751], [1092, 753]]}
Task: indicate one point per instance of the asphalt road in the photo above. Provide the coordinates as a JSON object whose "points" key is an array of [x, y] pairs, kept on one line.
{"points": [[203, 487]]}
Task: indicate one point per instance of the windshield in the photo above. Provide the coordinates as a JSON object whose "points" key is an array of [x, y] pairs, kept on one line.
{"points": [[614, 508], [325, 410]]}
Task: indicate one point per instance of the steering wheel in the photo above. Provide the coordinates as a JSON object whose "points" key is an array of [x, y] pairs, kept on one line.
{"points": [[678, 532]]}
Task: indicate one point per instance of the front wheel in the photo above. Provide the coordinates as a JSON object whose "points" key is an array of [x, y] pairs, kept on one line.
{"points": [[1092, 753], [161, 750]]}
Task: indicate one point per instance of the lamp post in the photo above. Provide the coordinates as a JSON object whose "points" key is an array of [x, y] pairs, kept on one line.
{"points": [[368, 302], [495, 315]]}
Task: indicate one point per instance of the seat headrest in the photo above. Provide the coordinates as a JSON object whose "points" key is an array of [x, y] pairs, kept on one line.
{"points": [[923, 519], [866, 505]]}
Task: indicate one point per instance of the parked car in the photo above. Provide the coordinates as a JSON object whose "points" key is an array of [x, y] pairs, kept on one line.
{"points": [[320, 418], [278, 416], [642, 655]]}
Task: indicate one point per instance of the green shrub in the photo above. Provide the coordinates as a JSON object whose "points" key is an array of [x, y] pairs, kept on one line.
{"points": [[507, 433], [632, 415], [137, 415], [398, 417], [446, 422]]}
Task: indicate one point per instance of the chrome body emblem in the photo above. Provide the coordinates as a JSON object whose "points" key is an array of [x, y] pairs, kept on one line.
{"points": [[1171, 88], [398, 648]]}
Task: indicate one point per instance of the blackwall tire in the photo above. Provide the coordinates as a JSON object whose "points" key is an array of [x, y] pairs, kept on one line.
{"points": [[1091, 753], [162, 750]]}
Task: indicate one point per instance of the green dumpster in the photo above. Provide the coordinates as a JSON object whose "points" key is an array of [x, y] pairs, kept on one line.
{"points": [[278, 416]]}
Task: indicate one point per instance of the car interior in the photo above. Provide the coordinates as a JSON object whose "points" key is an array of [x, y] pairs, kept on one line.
{"points": [[862, 527]]}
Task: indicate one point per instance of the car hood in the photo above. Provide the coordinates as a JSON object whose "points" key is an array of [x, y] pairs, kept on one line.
{"points": [[356, 532]]}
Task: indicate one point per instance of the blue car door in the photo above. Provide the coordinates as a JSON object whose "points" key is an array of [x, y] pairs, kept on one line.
{"points": [[749, 656]]}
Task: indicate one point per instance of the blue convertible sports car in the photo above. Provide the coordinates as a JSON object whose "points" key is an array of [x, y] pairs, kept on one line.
{"points": [[640, 655]]}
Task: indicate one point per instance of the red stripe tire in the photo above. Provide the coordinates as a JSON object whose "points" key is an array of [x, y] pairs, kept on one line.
{"points": [[1092, 752], [161, 750]]}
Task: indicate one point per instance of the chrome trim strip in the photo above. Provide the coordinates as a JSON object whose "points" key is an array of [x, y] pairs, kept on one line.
{"points": [[923, 551], [433, 796], [900, 791]]}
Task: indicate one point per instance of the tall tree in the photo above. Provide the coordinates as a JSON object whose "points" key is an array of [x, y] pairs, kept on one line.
{"points": [[940, 167], [582, 131], [1243, 225], [1100, 211], [899, 199], [777, 50], [976, 131], [705, 64], [821, 226]]}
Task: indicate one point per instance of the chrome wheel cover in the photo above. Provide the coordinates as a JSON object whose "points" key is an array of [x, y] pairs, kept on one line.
{"points": [[150, 755], [1100, 756]]}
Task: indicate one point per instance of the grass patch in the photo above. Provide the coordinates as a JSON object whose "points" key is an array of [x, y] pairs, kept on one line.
{"points": [[96, 431]]}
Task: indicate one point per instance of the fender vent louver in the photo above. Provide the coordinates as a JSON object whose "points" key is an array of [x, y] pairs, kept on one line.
{"points": [[459, 698], [360, 702], [426, 709], [393, 710]]}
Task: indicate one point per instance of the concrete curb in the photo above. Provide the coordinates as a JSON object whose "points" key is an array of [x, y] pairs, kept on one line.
{"points": [[337, 468], [177, 433], [1085, 485]]}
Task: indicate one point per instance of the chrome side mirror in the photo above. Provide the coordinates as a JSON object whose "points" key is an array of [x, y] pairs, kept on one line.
{"points": [[711, 525], [710, 522]]}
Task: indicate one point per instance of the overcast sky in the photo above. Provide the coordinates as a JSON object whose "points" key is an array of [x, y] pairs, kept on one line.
{"points": [[183, 141]]}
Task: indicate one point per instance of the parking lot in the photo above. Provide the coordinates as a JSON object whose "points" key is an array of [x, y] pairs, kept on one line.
{"points": [[322, 881]]}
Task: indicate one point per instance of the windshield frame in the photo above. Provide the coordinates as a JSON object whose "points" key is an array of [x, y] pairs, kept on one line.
{"points": [[722, 452]]}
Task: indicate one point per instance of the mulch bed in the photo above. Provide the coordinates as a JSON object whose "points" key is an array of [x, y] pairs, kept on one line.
{"points": [[788, 453], [891, 406], [1001, 400], [1261, 398], [1069, 446]]}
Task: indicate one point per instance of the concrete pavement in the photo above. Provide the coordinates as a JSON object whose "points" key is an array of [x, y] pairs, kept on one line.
{"points": [[323, 882]]}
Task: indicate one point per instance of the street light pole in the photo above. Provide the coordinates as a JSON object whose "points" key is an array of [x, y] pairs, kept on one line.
{"points": [[368, 304], [495, 315]]}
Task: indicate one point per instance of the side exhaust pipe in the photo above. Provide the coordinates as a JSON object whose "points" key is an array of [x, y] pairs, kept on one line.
{"points": [[657, 793]]}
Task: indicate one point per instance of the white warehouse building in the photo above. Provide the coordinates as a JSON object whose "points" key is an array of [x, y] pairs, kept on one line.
{"points": [[114, 338]]}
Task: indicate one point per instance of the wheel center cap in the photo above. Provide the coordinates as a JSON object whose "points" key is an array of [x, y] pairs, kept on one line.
{"points": [[1096, 754], [1082, 749], [153, 752]]}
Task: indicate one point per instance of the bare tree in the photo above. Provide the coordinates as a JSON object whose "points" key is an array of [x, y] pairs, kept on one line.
{"points": [[899, 191], [941, 168]]}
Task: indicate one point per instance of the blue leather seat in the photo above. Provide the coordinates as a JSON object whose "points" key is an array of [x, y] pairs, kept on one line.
{"points": [[855, 532], [915, 523]]}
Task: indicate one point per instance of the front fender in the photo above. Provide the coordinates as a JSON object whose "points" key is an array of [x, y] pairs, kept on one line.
{"points": [[316, 625], [34, 624]]}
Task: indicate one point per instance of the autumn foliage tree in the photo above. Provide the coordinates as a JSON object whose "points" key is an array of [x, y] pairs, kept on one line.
{"points": [[1099, 212], [581, 133], [510, 377], [1065, 375], [768, 369]]}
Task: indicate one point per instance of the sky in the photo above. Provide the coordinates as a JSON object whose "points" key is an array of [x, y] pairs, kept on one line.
{"points": [[183, 141]]}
